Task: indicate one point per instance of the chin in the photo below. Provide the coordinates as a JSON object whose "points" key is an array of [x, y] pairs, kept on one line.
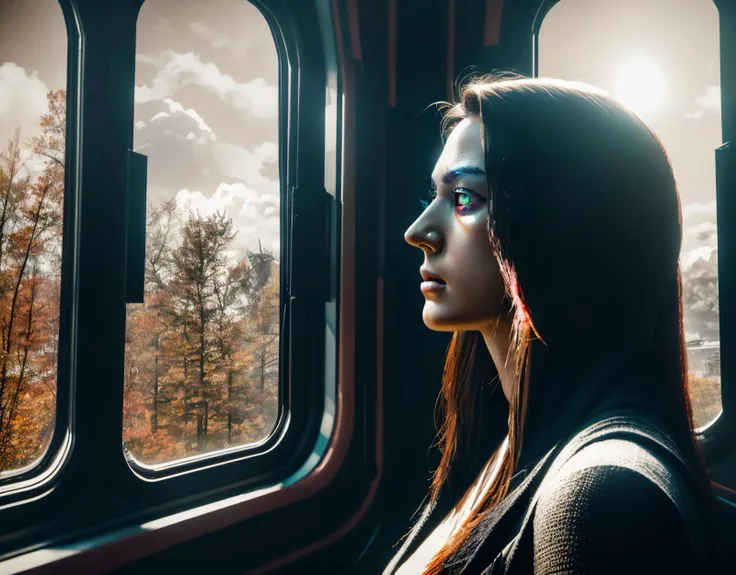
{"points": [[440, 320]]}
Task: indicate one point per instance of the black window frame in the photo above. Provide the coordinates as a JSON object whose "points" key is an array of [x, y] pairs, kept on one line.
{"points": [[92, 488], [716, 438], [19, 484]]}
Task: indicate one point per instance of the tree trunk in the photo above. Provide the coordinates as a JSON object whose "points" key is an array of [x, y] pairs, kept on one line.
{"points": [[154, 414], [263, 376], [229, 407]]}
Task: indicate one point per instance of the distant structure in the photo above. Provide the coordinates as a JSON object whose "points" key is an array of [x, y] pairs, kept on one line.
{"points": [[704, 358], [713, 364]]}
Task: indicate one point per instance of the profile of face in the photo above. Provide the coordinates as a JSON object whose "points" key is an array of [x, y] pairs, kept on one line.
{"points": [[462, 283]]}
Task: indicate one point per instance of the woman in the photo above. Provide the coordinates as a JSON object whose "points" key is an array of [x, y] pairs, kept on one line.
{"points": [[551, 246]]}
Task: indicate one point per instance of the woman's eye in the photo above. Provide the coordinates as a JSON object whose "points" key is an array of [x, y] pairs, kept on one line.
{"points": [[467, 201]]}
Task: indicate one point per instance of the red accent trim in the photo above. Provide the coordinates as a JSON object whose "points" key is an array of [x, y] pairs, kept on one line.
{"points": [[354, 24], [724, 491], [346, 359], [492, 28], [358, 515], [119, 552], [450, 48], [392, 53]]}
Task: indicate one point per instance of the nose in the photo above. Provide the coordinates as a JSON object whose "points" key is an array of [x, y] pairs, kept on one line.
{"points": [[425, 235]]}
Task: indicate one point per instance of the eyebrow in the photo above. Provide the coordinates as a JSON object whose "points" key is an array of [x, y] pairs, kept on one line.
{"points": [[452, 175]]}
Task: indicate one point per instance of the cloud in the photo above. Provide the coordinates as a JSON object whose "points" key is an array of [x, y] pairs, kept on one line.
{"points": [[695, 115], [255, 214], [267, 152], [699, 262], [22, 101], [709, 102], [242, 164], [700, 227], [179, 144], [237, 46], [700, 293], [692, 258], [180, 69], [184, 154], [33, 164], [705, 231], [176, 108], [698, 210]]}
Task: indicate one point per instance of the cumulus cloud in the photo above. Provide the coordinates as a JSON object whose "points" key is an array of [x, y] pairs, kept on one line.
{"points": [[22, 101], [267, 152], [709, 102], [705, 231], [179, 144], [699, 228], [175, 108], [245, 165], [700, 294], [699, 261], [255, 214], [176, 70], [184, 153]]}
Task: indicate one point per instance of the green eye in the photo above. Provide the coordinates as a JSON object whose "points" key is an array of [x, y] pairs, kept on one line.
{"points": [[467, 201]]}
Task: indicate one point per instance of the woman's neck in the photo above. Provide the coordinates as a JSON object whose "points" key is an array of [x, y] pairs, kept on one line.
{"points": [[497, 336]]}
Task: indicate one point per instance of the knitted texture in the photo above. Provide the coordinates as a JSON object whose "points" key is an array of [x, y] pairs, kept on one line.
{"points": [[604, 513]]}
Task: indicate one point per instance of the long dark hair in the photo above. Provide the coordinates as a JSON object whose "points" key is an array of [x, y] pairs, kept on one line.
{"points": [[585, 220]]}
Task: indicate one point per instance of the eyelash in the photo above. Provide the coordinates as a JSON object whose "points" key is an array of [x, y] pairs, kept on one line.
{"points": [[456, 192]]}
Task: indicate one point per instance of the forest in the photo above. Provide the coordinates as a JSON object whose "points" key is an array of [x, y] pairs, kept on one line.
{"points": [[202, 352]]}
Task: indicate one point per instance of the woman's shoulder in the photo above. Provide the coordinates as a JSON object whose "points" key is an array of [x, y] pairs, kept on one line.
{"points": [[612, 508]]}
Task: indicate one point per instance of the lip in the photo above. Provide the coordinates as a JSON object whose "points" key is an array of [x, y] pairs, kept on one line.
{"points": [[432, 286], [430, 276], [432, 283]]}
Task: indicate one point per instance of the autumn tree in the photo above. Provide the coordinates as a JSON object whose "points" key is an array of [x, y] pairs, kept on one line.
{"points": [[31, 209], [148, 326], [262, 342], [200, 274]]}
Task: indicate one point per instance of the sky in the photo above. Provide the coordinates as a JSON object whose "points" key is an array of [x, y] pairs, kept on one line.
{"points": [[206, 103], [599, 42]]}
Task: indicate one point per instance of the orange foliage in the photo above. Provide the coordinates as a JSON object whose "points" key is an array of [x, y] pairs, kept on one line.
{"points": [[31, 204]]}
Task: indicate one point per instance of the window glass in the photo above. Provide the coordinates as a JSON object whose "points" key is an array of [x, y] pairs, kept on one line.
{"points": [[32, 146], [202, 352], [661, 58]]}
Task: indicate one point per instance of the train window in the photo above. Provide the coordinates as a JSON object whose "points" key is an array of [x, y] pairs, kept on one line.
{"points": [[663, 61], [32, 182], [202, 352]]}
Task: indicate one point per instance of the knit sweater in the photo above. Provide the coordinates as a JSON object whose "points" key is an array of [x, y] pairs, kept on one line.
{"points": [[608, 511], [615, 506]]}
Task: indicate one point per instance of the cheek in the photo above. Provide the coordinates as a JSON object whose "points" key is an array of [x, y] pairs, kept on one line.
{"points": [[475, 292], [482, 288], [474, 261]]}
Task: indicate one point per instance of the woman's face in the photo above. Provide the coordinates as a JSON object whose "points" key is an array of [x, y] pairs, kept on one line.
{"points": [[462, 284]]}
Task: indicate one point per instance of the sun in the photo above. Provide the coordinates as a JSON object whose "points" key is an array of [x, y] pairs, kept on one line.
{"points": [[641, 85]]}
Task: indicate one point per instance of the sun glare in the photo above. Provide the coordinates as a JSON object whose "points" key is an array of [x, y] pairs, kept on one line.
{"points": [[640, 85]]}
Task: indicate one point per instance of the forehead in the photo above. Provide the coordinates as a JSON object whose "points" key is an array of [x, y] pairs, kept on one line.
{"points": [[463, 146]]}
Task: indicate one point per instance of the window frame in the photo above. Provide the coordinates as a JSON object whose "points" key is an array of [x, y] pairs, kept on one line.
{"points": [[25, 482], [93, 475], [716, 437], [294, 428]]}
